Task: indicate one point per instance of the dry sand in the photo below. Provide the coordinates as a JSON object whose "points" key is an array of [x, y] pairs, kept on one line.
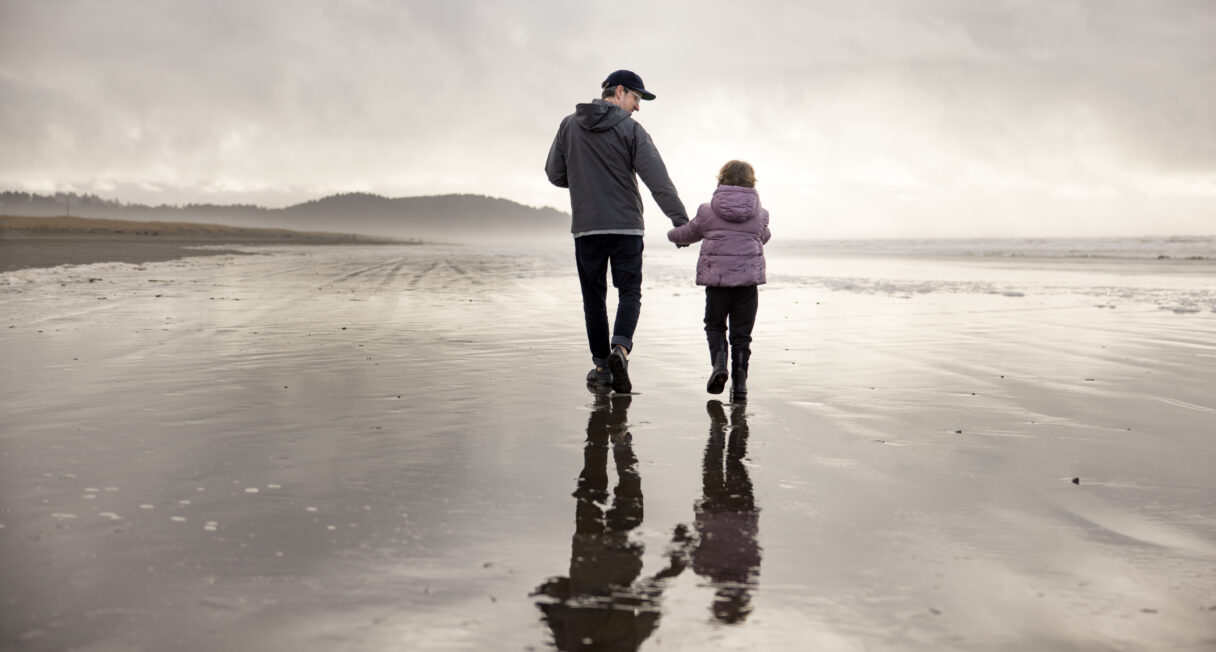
{"points": [[367, 448]]}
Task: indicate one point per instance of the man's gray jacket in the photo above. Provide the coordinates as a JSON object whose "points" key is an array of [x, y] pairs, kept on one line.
{"points": [[599, 153]]}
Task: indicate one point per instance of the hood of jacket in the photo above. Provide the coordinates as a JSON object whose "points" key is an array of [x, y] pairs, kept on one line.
{"points": [[735, 203], [598, 115]]}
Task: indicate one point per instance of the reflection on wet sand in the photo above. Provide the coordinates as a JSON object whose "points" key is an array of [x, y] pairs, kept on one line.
{"points": [[726, 550], [603, 605]]}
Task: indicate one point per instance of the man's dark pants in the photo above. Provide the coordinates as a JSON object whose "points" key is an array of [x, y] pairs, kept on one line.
{"points": [[594, 255]]}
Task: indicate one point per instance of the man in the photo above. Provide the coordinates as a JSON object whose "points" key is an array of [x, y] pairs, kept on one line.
{"points": [[598, 154]]}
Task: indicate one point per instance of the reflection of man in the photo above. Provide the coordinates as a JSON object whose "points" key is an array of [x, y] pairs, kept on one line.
{"points": [[727, 519], [599, 153], [603, 605]]}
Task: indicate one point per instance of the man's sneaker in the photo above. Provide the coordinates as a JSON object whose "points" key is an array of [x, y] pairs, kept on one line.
{"points": [[619, 364], [599, 377]]}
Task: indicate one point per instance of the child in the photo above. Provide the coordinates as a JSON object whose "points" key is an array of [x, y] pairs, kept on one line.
{"points": [[735, 228]]}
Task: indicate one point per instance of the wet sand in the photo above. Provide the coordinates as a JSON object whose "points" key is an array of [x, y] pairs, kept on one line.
{"points": [[319, 448]]}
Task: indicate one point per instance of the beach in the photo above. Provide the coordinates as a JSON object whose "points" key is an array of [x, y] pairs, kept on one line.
{"points": [[951, 445], [27, 242]]}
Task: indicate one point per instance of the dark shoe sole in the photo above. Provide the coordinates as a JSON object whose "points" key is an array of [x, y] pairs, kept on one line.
{"points": [[602, 380], [717, 382], [619, 367]]}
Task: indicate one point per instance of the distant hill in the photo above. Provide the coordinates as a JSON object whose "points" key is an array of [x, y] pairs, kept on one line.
{"points": [[449, 218]]}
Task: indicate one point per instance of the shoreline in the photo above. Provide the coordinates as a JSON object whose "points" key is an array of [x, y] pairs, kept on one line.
{"points": [[44, 242]]}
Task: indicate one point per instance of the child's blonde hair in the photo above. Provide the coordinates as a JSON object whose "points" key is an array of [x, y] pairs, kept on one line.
{"points": [[737, 173]]}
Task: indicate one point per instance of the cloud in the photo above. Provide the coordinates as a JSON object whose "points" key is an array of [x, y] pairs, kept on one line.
{"points": [[866, 111]]}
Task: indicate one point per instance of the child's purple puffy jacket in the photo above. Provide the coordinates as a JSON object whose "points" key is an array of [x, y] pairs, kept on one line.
{"points": [[735, 228]]}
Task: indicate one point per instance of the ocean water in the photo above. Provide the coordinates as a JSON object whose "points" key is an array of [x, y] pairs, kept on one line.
{"points": [[1176, 274], [1194, 248]]}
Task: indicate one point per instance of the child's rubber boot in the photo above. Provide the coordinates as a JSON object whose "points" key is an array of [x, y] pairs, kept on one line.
{"points": [[717, 357], [738, 387]]}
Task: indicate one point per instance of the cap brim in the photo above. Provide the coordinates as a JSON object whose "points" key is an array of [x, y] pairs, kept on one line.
{"points": [[647, 95]]}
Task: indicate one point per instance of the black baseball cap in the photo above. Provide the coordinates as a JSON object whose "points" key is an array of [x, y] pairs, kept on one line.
{"points": [[630, 80]]}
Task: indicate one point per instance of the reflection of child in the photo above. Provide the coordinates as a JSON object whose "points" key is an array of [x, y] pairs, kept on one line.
{"points": [[727, 519], [734, 227]]}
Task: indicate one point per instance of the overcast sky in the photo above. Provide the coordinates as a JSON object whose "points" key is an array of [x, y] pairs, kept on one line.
{"points": [[863, 119]]}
